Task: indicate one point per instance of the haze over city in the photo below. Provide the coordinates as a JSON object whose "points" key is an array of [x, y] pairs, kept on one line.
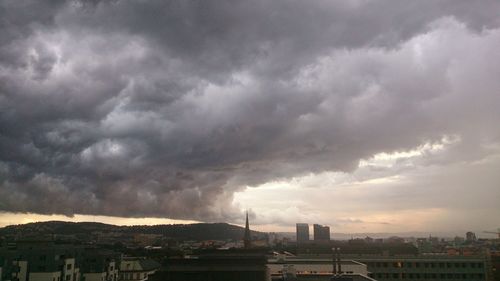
{"points": [[367, 116]]}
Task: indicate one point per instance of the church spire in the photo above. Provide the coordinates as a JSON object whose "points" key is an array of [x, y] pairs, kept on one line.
{"points": [[247, 240]]}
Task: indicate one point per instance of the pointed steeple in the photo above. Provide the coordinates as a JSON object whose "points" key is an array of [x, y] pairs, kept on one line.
{"points": [[247, 240]]}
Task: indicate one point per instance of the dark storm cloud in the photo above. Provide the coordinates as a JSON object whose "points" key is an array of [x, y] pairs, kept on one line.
{"points": [[165, 108]]}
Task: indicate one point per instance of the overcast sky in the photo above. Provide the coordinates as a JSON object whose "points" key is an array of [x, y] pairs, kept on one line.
{"points": [[366, 115]]}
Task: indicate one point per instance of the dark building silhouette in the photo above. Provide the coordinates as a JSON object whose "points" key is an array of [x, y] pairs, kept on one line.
{"points": [[321, 233], [302, 232], [495, 264], [230, 265], [247, 239], [470, 237]]}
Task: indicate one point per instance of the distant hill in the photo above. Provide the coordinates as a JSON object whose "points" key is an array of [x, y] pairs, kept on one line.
{"points": [[197, 231]]}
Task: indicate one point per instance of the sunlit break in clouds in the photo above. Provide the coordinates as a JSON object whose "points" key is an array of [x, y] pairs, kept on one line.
{"points": [[369, 116]]}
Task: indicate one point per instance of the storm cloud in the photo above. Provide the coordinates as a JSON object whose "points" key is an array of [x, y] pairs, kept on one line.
{"points": [[167, 108]]}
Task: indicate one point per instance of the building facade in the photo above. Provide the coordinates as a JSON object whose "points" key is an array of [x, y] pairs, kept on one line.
{"points": [[321, 233], [429, 268], [302, 232]]}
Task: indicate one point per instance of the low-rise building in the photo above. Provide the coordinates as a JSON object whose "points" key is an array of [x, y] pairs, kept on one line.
{"points": [[39, 261], [278, 266], [45, 261], [423, 267], [99, 265], [137, 269]]}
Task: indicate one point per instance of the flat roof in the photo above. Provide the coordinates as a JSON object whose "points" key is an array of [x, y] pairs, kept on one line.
{"points": [[311, 260]]}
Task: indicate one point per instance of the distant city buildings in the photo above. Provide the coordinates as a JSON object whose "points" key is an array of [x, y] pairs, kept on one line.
{"points": [[302, 232], [247, 258], [470, 236], [321, 233], [494, 258]]}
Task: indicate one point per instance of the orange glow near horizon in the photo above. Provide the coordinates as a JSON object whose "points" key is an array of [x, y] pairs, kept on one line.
{"points": [[22, 218]]}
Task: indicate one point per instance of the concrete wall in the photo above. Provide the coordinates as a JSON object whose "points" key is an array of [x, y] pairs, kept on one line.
{"points": [[68, 270], [112, 271], [99, 276], [44, 276], [134, 276], [23, 270]]}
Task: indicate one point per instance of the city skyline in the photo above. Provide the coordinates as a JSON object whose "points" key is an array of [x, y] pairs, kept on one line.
{"points": [[365, 116]]}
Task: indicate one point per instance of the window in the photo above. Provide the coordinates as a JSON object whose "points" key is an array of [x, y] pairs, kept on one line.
{"points": [[68, 267], [68, 277]]}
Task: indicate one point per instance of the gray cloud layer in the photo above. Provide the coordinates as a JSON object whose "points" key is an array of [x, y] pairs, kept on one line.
{"points": [[166, 108]]}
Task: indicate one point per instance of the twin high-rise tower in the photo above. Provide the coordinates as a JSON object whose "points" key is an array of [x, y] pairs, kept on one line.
{"points": [[321, 232], [302, 232]]}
